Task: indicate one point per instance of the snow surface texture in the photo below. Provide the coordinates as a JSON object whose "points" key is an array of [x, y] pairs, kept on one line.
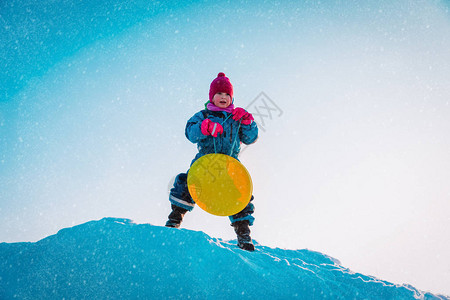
{"points": [[116, 258]]}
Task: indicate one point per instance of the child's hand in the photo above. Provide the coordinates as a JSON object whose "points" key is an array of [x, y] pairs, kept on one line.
{"points": [[241, 114], [209, 127]]}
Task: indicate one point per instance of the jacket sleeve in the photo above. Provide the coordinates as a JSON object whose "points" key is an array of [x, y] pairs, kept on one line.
{"points": [[193, 131], [248, 134]]}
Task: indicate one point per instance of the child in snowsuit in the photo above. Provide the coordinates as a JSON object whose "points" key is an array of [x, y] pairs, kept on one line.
{"points": [[217, 130]]}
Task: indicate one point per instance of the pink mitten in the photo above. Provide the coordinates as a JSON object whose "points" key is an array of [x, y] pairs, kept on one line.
{"points": [[241, 114], [209, 127], [247, 119], [238, 113]]}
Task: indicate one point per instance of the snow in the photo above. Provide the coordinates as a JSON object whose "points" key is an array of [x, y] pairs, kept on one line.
{"points": [[116, 258]]}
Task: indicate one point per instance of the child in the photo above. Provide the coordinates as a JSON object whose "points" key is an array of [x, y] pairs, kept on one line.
{"points": [[214, 130]]}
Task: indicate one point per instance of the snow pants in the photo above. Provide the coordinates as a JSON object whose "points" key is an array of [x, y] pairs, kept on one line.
{"points": [[179, 196]]}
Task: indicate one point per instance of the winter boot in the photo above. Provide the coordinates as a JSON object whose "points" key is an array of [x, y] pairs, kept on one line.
{"points": [[176, 216], [242, 230]]}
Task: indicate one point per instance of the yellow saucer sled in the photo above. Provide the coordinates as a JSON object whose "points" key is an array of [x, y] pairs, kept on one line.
{"points": [[219, 184]]}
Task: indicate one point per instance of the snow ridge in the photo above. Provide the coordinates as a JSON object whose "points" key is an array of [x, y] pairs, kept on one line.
{"points": [[115, 258]]}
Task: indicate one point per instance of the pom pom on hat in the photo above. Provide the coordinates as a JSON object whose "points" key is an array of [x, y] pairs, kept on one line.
{"points": [[220, 85]]}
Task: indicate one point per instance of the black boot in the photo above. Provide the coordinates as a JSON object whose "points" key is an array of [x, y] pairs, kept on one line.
{"points": [[242, 230], [176, 216]]}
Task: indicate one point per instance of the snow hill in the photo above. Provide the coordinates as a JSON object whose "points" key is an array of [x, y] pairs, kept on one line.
{"points": [[118, 259]]}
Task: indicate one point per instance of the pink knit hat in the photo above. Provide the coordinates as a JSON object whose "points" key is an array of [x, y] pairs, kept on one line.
{"points": [[220, 85]]}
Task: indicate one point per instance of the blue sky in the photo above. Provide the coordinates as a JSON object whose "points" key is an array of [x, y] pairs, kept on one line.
{"points": [[94, 100]]}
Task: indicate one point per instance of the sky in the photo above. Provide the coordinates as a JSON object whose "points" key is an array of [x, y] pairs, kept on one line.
{"points": [[351, 97]]}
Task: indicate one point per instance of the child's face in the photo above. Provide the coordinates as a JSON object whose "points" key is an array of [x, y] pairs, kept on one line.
{"points": [[222, 100]]}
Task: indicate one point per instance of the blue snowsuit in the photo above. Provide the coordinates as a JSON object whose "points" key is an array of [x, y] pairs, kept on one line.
{"points": [[229, 143]]}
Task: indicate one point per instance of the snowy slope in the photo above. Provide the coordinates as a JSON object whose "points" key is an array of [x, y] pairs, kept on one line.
{"points": [[116, 258]]}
